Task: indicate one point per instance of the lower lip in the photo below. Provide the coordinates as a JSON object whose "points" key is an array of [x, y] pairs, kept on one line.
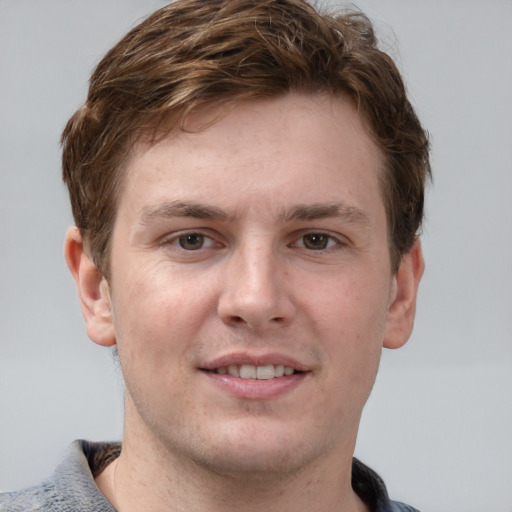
{"points": [[255, 389]]}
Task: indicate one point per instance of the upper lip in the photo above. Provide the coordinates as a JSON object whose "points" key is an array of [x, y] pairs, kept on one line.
{"points": [[240, 358]]}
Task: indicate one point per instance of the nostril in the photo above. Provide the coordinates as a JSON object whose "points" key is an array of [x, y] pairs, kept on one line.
{"points": [[239, 320]]}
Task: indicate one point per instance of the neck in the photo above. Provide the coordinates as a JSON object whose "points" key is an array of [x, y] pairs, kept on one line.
{"points": [[151, 477]]}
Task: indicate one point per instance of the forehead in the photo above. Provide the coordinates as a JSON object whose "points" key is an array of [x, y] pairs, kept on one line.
{"points": [[294, 148]]}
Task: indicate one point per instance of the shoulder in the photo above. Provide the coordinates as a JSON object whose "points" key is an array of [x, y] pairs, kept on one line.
{"points": [[397, 506], [371, 489], [71, 486], [38, 498]]}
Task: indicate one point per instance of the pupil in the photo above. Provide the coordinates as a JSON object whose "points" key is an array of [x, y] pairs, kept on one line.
{"points": [[191, 241], [316, 241]]}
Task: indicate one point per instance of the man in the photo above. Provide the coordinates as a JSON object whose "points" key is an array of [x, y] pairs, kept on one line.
{"points": [[247, 184]]}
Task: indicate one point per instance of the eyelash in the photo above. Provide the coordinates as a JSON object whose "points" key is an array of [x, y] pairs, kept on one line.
{"points": [[331, 241], [178, 240]]}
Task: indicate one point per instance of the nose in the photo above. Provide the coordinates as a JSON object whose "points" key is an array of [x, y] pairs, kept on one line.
{"points": [[256, 292]]}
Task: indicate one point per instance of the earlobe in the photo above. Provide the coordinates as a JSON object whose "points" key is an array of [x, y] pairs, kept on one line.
{"points": [[402, 308], [93, 290]]}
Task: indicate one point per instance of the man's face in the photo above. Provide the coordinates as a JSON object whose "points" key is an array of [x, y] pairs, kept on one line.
{"points": [[250, 248]]}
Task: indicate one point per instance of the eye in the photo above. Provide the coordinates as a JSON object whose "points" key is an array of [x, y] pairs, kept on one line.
{"points": [[316, 241], [193, 241]]}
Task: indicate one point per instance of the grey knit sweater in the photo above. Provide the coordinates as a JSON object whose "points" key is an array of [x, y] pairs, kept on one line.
{"points": [[71, 486]]}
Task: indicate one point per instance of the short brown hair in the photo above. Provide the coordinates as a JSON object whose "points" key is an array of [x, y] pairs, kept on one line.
{"points": [[192, 53]]}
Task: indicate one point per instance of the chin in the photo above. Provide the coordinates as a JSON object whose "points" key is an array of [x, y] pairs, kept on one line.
{"points": [[259, 455], [256, 465]]}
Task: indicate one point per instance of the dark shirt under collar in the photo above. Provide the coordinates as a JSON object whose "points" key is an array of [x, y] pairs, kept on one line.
{"points": [[71, 487]]}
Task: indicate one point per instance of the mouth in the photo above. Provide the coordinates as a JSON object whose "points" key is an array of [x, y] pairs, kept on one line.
{"points": [[253, 372], [256, 377]]}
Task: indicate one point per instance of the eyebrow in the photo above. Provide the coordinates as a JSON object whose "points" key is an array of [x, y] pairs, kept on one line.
{"points": [[343, 211], [346, 212], [172, 209]]}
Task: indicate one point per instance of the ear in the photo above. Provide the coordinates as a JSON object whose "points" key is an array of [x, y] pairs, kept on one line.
{"points": [[93, 290], [403, 300]]}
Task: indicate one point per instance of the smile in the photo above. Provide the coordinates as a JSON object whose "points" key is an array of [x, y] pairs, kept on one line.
{"points": [[249, 371], [251, 377]]}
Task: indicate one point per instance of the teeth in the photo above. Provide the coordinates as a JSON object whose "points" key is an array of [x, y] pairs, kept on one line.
{"points": [[249, 371], [233, 371], [265, 372]]}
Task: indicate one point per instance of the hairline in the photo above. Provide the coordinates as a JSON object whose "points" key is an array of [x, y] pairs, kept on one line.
{"points": [[157, 128]]}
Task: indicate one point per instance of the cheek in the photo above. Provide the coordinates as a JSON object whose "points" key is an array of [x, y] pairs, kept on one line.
{"points": [[352, 305], [153, 315], [350, 319]]}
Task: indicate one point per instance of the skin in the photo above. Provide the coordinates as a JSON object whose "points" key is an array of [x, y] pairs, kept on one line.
{"points": [[286, 260]]}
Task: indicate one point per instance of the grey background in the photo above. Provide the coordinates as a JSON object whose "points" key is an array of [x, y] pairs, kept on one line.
{"points": [[438, 426]]}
